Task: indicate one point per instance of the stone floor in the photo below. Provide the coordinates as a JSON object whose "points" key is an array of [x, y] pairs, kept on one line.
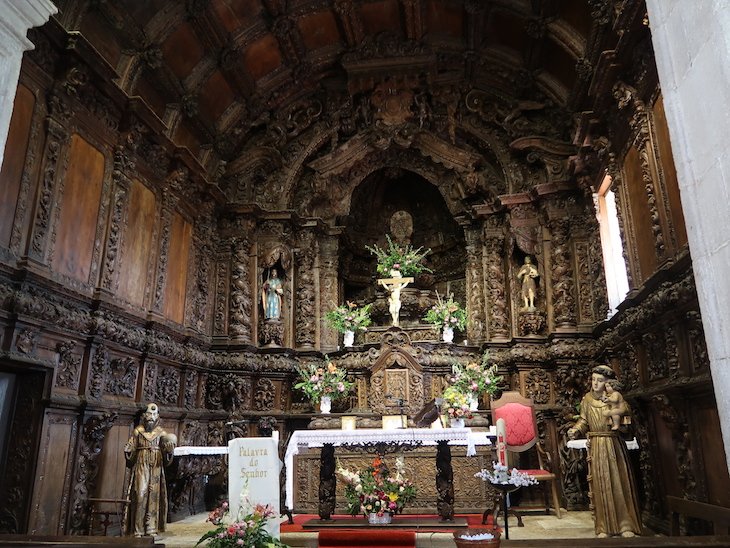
{"points": [[573, 525]]}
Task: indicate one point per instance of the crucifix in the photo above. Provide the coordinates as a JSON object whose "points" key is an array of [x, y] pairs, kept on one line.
{"points": [[394, 285]]}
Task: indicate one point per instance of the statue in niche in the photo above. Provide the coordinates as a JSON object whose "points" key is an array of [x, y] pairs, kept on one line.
{"points": [[148, 451], [271, 292], [527, 275]]}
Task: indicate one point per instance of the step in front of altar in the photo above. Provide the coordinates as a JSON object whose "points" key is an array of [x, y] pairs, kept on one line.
{"points": [[470, 493], [402, 522]]}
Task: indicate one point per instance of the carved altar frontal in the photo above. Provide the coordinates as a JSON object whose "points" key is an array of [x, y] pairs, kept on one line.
{"points": [[470, 493]]}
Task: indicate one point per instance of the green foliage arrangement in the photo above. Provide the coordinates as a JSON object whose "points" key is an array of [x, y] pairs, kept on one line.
{"points": [[476, 378], [348, 317], [404, 258], [248, 529], [323, 380], [446, 313], [376, 490]]}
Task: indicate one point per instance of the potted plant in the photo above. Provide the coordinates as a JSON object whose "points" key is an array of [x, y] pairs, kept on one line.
{"points": [[399, 260], [323, 383], [248, 529], [456, 405], [349, 318], [447, 315], [376, 492], [475, 379]]}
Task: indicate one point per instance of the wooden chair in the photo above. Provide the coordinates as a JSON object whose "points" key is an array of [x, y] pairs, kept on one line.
{"points": [[518, 413]]}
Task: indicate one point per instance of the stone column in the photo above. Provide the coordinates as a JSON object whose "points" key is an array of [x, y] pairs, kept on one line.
{"points": [[16, 19], [692, 55]]}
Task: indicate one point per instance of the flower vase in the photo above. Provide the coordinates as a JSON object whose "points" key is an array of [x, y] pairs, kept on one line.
{"points": [[384, 519], [349, 338], [448, 334], [325, 405], [473, 402], [457, 423]]}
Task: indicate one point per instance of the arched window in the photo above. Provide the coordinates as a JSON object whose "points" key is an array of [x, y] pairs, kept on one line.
{"points": [[617, 283]]}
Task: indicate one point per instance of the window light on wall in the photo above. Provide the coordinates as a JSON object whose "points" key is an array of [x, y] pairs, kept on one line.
{"points": [[617, 283]]}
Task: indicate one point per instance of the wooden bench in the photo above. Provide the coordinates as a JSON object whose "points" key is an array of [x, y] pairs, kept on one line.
{"points": [[79, 541], [718, 516]]}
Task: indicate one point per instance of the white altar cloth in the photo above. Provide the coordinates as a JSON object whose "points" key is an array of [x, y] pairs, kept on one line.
{"points": [[404, 436]]}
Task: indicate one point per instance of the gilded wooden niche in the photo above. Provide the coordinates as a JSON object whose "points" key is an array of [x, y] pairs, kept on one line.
{"points": [[396, 377]]}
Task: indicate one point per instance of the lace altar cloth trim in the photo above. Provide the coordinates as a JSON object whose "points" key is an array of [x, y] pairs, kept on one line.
{"points": [[405, 436]]}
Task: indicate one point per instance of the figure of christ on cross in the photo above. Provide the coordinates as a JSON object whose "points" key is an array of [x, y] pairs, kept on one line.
{"points": [[394, 285]]}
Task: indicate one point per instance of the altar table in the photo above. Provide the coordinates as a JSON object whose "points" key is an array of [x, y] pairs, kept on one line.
{"points": [[443, 438]]}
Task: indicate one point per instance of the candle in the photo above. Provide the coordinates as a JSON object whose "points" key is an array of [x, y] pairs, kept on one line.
{"points": [[501, 442]]}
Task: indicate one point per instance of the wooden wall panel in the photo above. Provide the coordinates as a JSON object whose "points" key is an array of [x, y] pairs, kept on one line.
{"points": [[713, 462], [640, 216], [666, 161], [666, 460], [46, 517], [15, 153], [138, 243], [79, 205], [177, 268], [112, 466]]}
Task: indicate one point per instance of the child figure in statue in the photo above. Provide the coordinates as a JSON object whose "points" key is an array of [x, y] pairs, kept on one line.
{"points": [[617, 407]]}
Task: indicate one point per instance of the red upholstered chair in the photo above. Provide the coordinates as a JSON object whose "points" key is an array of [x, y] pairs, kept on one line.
{"points": [[518, 413]]}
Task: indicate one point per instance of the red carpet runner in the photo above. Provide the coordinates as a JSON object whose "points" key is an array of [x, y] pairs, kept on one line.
{"points": [[372, 538], [381, 537]]}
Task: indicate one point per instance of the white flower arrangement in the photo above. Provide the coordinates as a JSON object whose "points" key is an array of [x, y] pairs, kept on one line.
{"points": [[500, 475]]}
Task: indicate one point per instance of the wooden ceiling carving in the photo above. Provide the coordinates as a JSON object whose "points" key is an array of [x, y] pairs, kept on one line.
{"points": [[288, 98]]}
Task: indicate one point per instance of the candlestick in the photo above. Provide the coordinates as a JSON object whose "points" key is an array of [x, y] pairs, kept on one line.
{"points": [[501, 442]]}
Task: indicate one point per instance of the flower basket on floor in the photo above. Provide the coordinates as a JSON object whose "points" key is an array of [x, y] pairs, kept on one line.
{"points": [[477, 537], [376, 490]]}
